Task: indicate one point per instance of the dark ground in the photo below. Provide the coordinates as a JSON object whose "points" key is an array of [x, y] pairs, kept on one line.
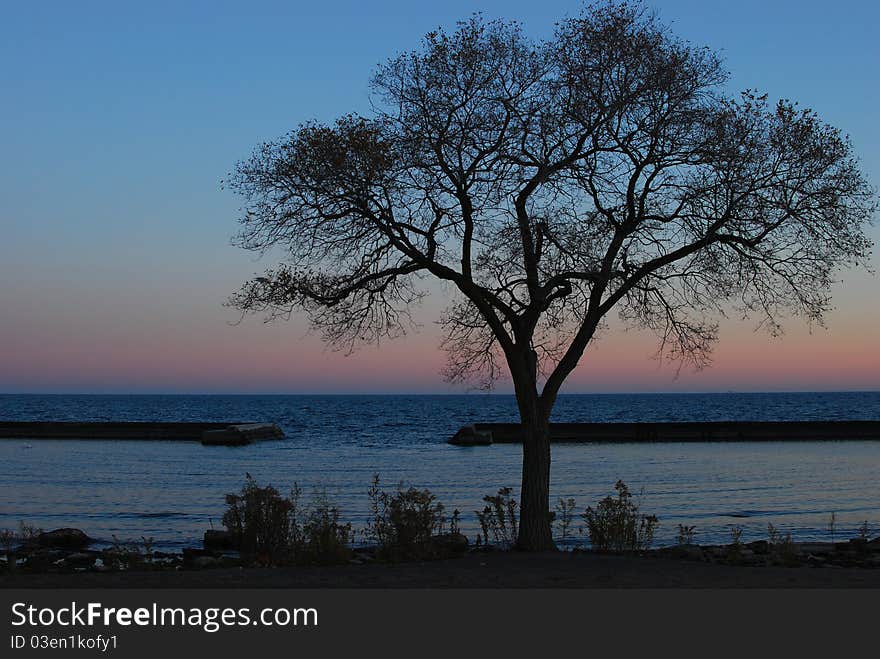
{"points": [[475, 570]]}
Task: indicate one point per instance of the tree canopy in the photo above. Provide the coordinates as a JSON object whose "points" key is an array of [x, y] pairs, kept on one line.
{"points": [[551, 182]]}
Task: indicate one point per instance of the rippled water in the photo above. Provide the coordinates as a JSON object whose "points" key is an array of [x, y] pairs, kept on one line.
{"points": [[173, 491]]}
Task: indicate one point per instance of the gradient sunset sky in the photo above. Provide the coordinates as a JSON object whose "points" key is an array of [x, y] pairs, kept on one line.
{"points": [[119, 120]]}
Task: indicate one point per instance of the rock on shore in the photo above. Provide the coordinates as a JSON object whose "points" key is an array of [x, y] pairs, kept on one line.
{"points": [[65, 538]]}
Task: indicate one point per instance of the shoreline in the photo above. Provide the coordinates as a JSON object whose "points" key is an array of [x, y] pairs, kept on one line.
{"points": [[584, 570], [61, 558]]}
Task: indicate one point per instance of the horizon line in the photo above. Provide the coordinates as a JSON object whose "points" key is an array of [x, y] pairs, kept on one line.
{"points": [[463, 393]]}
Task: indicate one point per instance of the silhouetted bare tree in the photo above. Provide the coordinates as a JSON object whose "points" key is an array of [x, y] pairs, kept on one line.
{"points": [[550, 183]]}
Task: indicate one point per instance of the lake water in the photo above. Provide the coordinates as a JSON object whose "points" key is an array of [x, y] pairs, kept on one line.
{"points": [[173, 491]]}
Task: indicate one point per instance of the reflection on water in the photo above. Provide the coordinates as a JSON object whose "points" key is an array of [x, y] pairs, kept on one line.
{"points": [[174, 491]]}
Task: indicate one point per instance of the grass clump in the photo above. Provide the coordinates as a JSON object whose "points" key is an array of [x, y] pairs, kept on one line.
{"points": [[734, 551], [322, 537], [13, 541], [685, 534], [123, 555], [832, 524], [563, 517], [781, 546], [499, 519], [617, 525]]}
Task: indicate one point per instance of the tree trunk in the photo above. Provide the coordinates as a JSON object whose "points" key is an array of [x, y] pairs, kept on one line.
{"points": [[535, 533]]}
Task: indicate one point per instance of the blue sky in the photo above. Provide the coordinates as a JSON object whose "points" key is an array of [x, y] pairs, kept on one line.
{"points": [[119, 120]]}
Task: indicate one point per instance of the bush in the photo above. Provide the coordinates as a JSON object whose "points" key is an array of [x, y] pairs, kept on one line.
{"points": [[499, 518], [616, 525], [322, 538], [7, 541], [27, 534], [406, 522], [270, 529], [260, 520], [13, 541]]}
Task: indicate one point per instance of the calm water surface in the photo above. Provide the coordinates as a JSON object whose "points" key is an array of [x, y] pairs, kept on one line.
{"points": [[173, 491]]}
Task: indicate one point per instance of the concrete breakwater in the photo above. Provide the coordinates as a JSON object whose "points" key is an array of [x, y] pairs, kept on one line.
{"points": [[692, 431], [210, 434]]}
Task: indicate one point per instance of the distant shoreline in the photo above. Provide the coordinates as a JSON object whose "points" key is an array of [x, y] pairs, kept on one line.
{"points": [[470, 394]]}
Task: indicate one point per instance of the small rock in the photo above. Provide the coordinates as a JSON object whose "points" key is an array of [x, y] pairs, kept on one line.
{"points": [[759, 547], [220, 540], [859, 544], [43, 558], [451, 542], [693, 552], [193, 552], [67, 538], [813, 548], [191, 556], [367, 555], [81, 559], [205, 562], [685, 552]]}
